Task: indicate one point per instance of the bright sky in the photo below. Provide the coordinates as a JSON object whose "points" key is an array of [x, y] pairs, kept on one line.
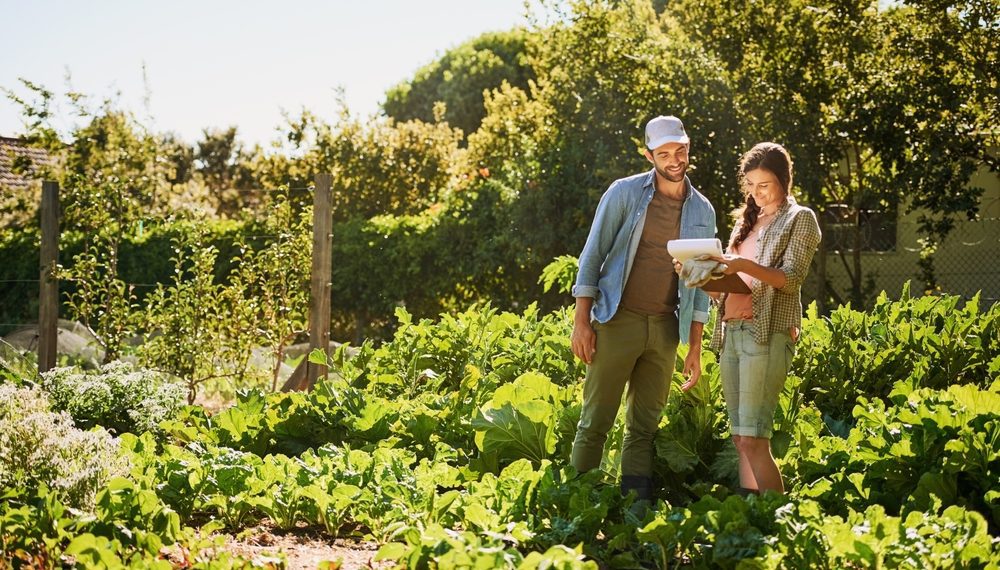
{"points": [[216, 63]]}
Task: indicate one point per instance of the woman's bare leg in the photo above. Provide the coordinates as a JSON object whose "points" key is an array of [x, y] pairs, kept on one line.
{"points": [[757, 453]]}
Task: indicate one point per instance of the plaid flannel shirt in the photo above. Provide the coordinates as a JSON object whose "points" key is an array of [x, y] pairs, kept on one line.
{"points": [[787, 243]]}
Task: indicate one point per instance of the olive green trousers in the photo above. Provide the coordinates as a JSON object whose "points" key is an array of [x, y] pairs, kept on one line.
{"points": [[634, 351]]}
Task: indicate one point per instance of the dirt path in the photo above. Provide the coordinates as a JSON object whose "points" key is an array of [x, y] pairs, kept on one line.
{"points": [[304, 548]]}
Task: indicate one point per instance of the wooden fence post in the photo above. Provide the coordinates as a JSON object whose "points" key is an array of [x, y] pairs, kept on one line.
{"points": [[48, 289], [322, 266], [306, 373]]}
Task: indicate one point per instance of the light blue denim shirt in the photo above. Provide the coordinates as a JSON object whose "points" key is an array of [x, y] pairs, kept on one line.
{"points": [[607, 257]]}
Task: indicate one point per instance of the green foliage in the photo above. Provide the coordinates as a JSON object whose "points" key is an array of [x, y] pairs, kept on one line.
{"points": [[458, 79], [379, 166], [520, 420], [128, 529], [929, 341], [223, 165], [181, 327], [881, 106], [106, 144], [689, 440], [561, 273], [144, 258], [42, 448], [446, 446], [15, 367], [438, 547], [601, 77], [775, 532], [101, 300], [929, 446], [118, 397], [267, 297]]}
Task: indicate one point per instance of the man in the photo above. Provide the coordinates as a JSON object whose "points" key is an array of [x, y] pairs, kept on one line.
{"points": [[631, 308]]}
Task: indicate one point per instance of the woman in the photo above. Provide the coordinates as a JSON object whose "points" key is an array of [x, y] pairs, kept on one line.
{"points": [[771, 247]]}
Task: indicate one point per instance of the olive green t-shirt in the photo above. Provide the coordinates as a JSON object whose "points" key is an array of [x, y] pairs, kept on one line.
{"points": [[652, 283]]}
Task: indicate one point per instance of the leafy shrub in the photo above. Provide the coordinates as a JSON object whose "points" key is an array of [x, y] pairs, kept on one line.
{"points": [[117, 397], [926, 342], [927, 446], [775, 531], [41, 447]]}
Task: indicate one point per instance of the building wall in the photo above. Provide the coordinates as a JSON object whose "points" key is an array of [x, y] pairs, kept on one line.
{"points": [[968, 261]]}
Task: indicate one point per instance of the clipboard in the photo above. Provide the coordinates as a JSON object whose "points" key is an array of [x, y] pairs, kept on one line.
{"points": [[685, 249], [727, 284]]}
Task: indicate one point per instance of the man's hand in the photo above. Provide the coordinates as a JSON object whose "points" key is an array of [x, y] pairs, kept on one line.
{"points": [[692, 362], [584, 341], [692, 368]]}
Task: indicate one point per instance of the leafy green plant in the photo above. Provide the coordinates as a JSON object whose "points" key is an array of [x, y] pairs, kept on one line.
{"points": [[330, 503], [928, 446], [34, 526], [104, 205], [561, 274], [284, 497], [41, 447], [925, 341], [231, 489], [520, 420], [118, 396], [176, 473], [269, 287], [183, 333]]}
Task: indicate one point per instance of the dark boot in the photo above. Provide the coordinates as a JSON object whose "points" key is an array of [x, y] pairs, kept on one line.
{"points": [[643, 486], [744, 492]]}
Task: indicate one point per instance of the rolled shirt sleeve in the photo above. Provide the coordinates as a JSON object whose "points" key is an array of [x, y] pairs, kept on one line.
{"points": [[702, 303], [805, 238], [608, 218]]}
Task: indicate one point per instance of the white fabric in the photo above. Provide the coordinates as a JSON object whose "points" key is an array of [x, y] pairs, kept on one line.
{"points": [[700, 270]]}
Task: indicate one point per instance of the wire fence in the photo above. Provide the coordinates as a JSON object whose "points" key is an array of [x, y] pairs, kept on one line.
{"points": [[966, 263], [19, 294]]}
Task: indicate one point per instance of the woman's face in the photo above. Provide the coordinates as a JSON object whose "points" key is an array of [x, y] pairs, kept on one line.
{"points": [[765, 189]]}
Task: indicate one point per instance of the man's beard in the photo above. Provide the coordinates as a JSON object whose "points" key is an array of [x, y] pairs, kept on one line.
{"points": [[673, 178]]}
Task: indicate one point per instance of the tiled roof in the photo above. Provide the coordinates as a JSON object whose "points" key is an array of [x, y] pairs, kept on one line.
{"points": [[19, 162]]}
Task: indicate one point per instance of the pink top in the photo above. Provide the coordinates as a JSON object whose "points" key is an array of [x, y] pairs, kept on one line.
{"points": [[740, 305]]}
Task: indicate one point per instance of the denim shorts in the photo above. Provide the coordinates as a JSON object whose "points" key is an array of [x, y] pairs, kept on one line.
{"points": [[753, 376]]}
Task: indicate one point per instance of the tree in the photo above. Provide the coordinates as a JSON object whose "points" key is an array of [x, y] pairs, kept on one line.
{"points": [[872, 103], [604, 70], [459, 79], [220, 160], [380, 166]]}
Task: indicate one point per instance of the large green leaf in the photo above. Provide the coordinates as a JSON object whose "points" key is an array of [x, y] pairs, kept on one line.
{"points": [[527, 387], [515, 433]]}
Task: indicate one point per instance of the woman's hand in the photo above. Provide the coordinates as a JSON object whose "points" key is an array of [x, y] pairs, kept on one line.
{"points": [[732, 263], [736, 264], [678, 267]]}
